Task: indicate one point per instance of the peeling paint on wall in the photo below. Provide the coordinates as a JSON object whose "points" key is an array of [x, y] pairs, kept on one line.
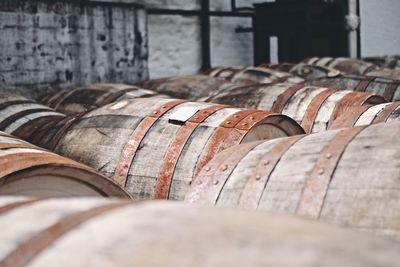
{"points": [[47, 46]]}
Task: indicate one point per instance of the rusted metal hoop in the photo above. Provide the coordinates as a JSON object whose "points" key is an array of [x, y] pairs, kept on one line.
{"points": [[128, 152], [29, 249], [317, 182], [351, 99], [225, 132], [15, 205], [174, 151], [283, 98], [254, 188], [213, 177], [384, 114], [390, 90], [313, 108], [349, 118], [363, 85]]}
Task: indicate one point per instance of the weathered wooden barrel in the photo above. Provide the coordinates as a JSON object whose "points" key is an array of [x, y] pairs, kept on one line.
{"points": [[253, 75], [315, 108], [306, 71], [366, 115], [153, 147], [285, 67], [388, 88], [348, 177], [222, 72], [93, 96], [390, 62], [386, 73], [92, 232], [29, 170], [345, 65], [310, 72], [22, 117], [189, 87]]}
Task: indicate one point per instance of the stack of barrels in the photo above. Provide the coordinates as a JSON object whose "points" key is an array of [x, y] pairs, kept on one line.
{"points": [[316, 139]]}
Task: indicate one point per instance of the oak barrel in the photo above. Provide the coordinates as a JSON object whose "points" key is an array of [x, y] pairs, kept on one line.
{"points": [[29, 170], [306, 71], [315, 108], [81, 99], [366, 115], [22, 117], [253, 75], [153, 147], [189, 87], [92, 232], [386, 73], [388, 88], [345, 65], [222, 72], [348, 177]]}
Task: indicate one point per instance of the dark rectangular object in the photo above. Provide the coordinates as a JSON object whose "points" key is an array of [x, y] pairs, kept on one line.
{"points": [[304, 29]]}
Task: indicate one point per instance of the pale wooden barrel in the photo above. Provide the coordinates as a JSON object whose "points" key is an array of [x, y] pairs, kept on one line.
{"points": [[348, 177], [189, 87], [29, 170], [386, 73], [344, 65], [153, 147], [222, 72], [390, 62], [253, 75], [306, 71], [315, 108], [388, 88], [92, 232], [81, 99], [22, 117], [367, 115], [310, 72]]}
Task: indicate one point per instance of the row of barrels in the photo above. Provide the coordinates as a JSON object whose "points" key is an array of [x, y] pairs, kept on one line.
{"points": [[178, 137], [82, 232]]}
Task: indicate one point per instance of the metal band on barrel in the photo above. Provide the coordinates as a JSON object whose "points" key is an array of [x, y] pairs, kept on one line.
{"points": [[32, 247], [130, 148], [171, 158], [256, 184], [317, 183], [313, 108], [283, 98]]}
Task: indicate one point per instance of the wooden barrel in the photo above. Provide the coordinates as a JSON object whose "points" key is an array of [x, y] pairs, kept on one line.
{"points": [[388, 88], [29, 170], [386, 73], [366, 115], [189, 87], [348, 177], [22, 117], [153, 147], [345, 65], [222, 72], [92, 232], [390, 62], [94, 96], [315, 108], [306, 71], [253, 75]]}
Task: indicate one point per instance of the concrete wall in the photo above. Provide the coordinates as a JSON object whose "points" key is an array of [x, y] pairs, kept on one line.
{"points": [[380, 27], [50, 45]]}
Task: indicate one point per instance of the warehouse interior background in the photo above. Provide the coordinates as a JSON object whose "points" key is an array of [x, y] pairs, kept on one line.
{"points": [[61, 44]]}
